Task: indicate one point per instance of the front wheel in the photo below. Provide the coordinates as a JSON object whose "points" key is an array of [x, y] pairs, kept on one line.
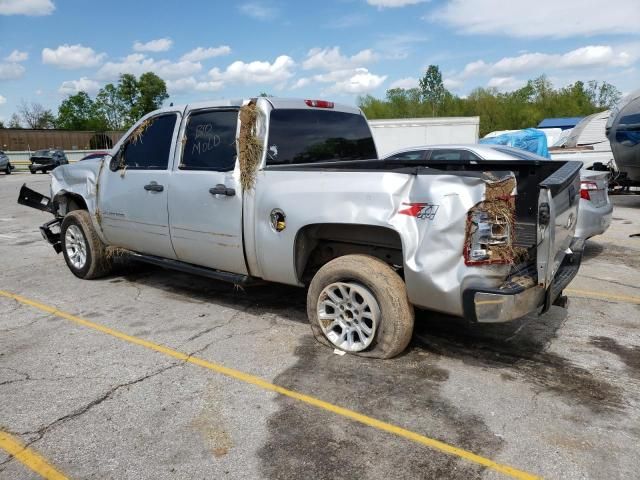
{"points": [[359, 304], [8, 169], [83, 251]]}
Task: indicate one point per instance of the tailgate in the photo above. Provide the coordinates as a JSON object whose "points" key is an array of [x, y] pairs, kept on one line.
{"points": [[558, 201]]}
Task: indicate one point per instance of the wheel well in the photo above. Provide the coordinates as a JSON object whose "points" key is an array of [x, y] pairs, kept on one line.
{"points": [[320, 243], [67, 202]]}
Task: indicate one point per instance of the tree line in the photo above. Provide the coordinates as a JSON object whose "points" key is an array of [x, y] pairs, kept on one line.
{"points": [[115, 107], [521, 108]]}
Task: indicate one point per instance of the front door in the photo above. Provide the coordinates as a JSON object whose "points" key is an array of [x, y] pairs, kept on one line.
{"points": [[133, 199], [205, 205]]}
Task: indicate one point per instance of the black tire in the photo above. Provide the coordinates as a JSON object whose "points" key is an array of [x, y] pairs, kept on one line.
{"points": [[32, 171], [96, 264], [396, 314], [8, 169]]}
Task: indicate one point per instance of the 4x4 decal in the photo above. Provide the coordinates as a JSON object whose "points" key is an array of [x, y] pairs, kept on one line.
{"points": [[421, 210]]}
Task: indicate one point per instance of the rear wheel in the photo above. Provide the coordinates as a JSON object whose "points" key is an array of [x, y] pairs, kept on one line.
{"points": [[83, 251], [8, 169], [359, 304]]}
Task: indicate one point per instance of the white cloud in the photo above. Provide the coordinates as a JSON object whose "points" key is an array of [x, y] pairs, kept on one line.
{"points": [[331, 59], [300, 83], [3, 100], [84, 84], [157, 45], [545, 18], [190, 83], [201, 53], [584, 57], [138, 63], [393, 3], [361, 81], [72, 56], [452, 83], [256, 72], [258, 10], [505, 83], [11, 71], [26, 7], [17, 56], [408, 82]]}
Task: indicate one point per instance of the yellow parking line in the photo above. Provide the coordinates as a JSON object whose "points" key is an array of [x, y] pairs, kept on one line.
{"points": [[28, 457], [606, 296], [253, 380]]}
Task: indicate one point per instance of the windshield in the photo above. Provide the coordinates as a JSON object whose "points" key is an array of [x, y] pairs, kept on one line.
{"points": [[43, 153], [307, 136]]}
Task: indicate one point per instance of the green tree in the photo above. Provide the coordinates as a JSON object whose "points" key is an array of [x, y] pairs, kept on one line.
{"points": [[35, 115], [520, 108], [153, 92], [432, 88], [15, 121], [1, 124], [78, 112], [110, 106], [603, 95]]}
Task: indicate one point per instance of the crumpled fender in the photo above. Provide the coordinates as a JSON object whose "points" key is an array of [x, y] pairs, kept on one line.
{"points": [[81, 179]]}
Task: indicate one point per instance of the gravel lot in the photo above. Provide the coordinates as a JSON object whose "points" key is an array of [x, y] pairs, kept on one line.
{"points": [[556, 396]]}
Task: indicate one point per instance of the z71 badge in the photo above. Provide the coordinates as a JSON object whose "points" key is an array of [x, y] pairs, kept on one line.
{"points": [[423, 211]]}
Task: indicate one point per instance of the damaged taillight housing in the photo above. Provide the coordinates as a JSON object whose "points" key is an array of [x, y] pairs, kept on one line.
{"points": [[490, 234]]}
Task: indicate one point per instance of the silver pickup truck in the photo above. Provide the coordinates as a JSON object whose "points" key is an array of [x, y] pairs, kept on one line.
{"points": [[292, 191]]}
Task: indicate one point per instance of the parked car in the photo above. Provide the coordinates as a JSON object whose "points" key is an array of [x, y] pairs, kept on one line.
{"points": [[291, 191], [46, 160], [5, 164], [94, 155], [596, 209]]}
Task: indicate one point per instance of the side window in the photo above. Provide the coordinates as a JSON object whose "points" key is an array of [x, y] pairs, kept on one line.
{"points": [[628, 131], [147, 148], [210, 141], [439, 155], [413, 155]]}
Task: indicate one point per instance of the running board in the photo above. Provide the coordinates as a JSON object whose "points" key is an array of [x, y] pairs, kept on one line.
{"points": [[195, 269]]}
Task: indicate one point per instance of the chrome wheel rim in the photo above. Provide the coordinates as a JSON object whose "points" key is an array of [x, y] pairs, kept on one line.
{"points": [[76, 246], [349, 315]]}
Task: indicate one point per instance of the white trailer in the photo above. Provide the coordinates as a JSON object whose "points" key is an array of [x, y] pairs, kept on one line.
{"points": [[395, 134]]}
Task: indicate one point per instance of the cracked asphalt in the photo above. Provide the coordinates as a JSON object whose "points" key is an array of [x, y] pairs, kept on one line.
{"points": [[557, 396]]}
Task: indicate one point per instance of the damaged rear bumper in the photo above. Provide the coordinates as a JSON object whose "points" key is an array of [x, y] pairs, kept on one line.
{"points": [[514, 300]]}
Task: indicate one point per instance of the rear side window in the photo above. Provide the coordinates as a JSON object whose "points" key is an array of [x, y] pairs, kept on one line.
{"points": [[452, 154], [148, 146], [210, 141], [307, 136], [413, 155]]}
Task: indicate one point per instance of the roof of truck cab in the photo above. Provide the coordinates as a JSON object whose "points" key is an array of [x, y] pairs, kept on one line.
{"points": [[276, 102]]}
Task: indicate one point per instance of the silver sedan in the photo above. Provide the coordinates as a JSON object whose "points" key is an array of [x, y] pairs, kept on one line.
{"points": [[595, 211], [5, 165]]}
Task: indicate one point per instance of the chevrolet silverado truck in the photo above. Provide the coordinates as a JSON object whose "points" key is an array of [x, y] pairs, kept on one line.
{"points": [[292, 191]]}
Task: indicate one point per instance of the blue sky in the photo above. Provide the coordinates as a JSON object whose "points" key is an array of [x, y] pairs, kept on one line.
{"points": [[335, 49]]}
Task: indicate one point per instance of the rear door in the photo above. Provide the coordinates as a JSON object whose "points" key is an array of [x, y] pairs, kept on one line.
{"points": [[133, 199], [205, 205]]}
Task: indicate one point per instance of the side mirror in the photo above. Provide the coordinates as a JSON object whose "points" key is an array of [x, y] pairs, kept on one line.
{"points": [[114, 164]]}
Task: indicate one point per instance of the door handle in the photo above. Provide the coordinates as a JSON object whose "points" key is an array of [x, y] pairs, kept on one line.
{"points": [[154, 187], [222, 189]]}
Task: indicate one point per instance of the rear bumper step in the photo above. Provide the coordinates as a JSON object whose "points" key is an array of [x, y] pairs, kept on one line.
{"points": [[514, 300]]}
